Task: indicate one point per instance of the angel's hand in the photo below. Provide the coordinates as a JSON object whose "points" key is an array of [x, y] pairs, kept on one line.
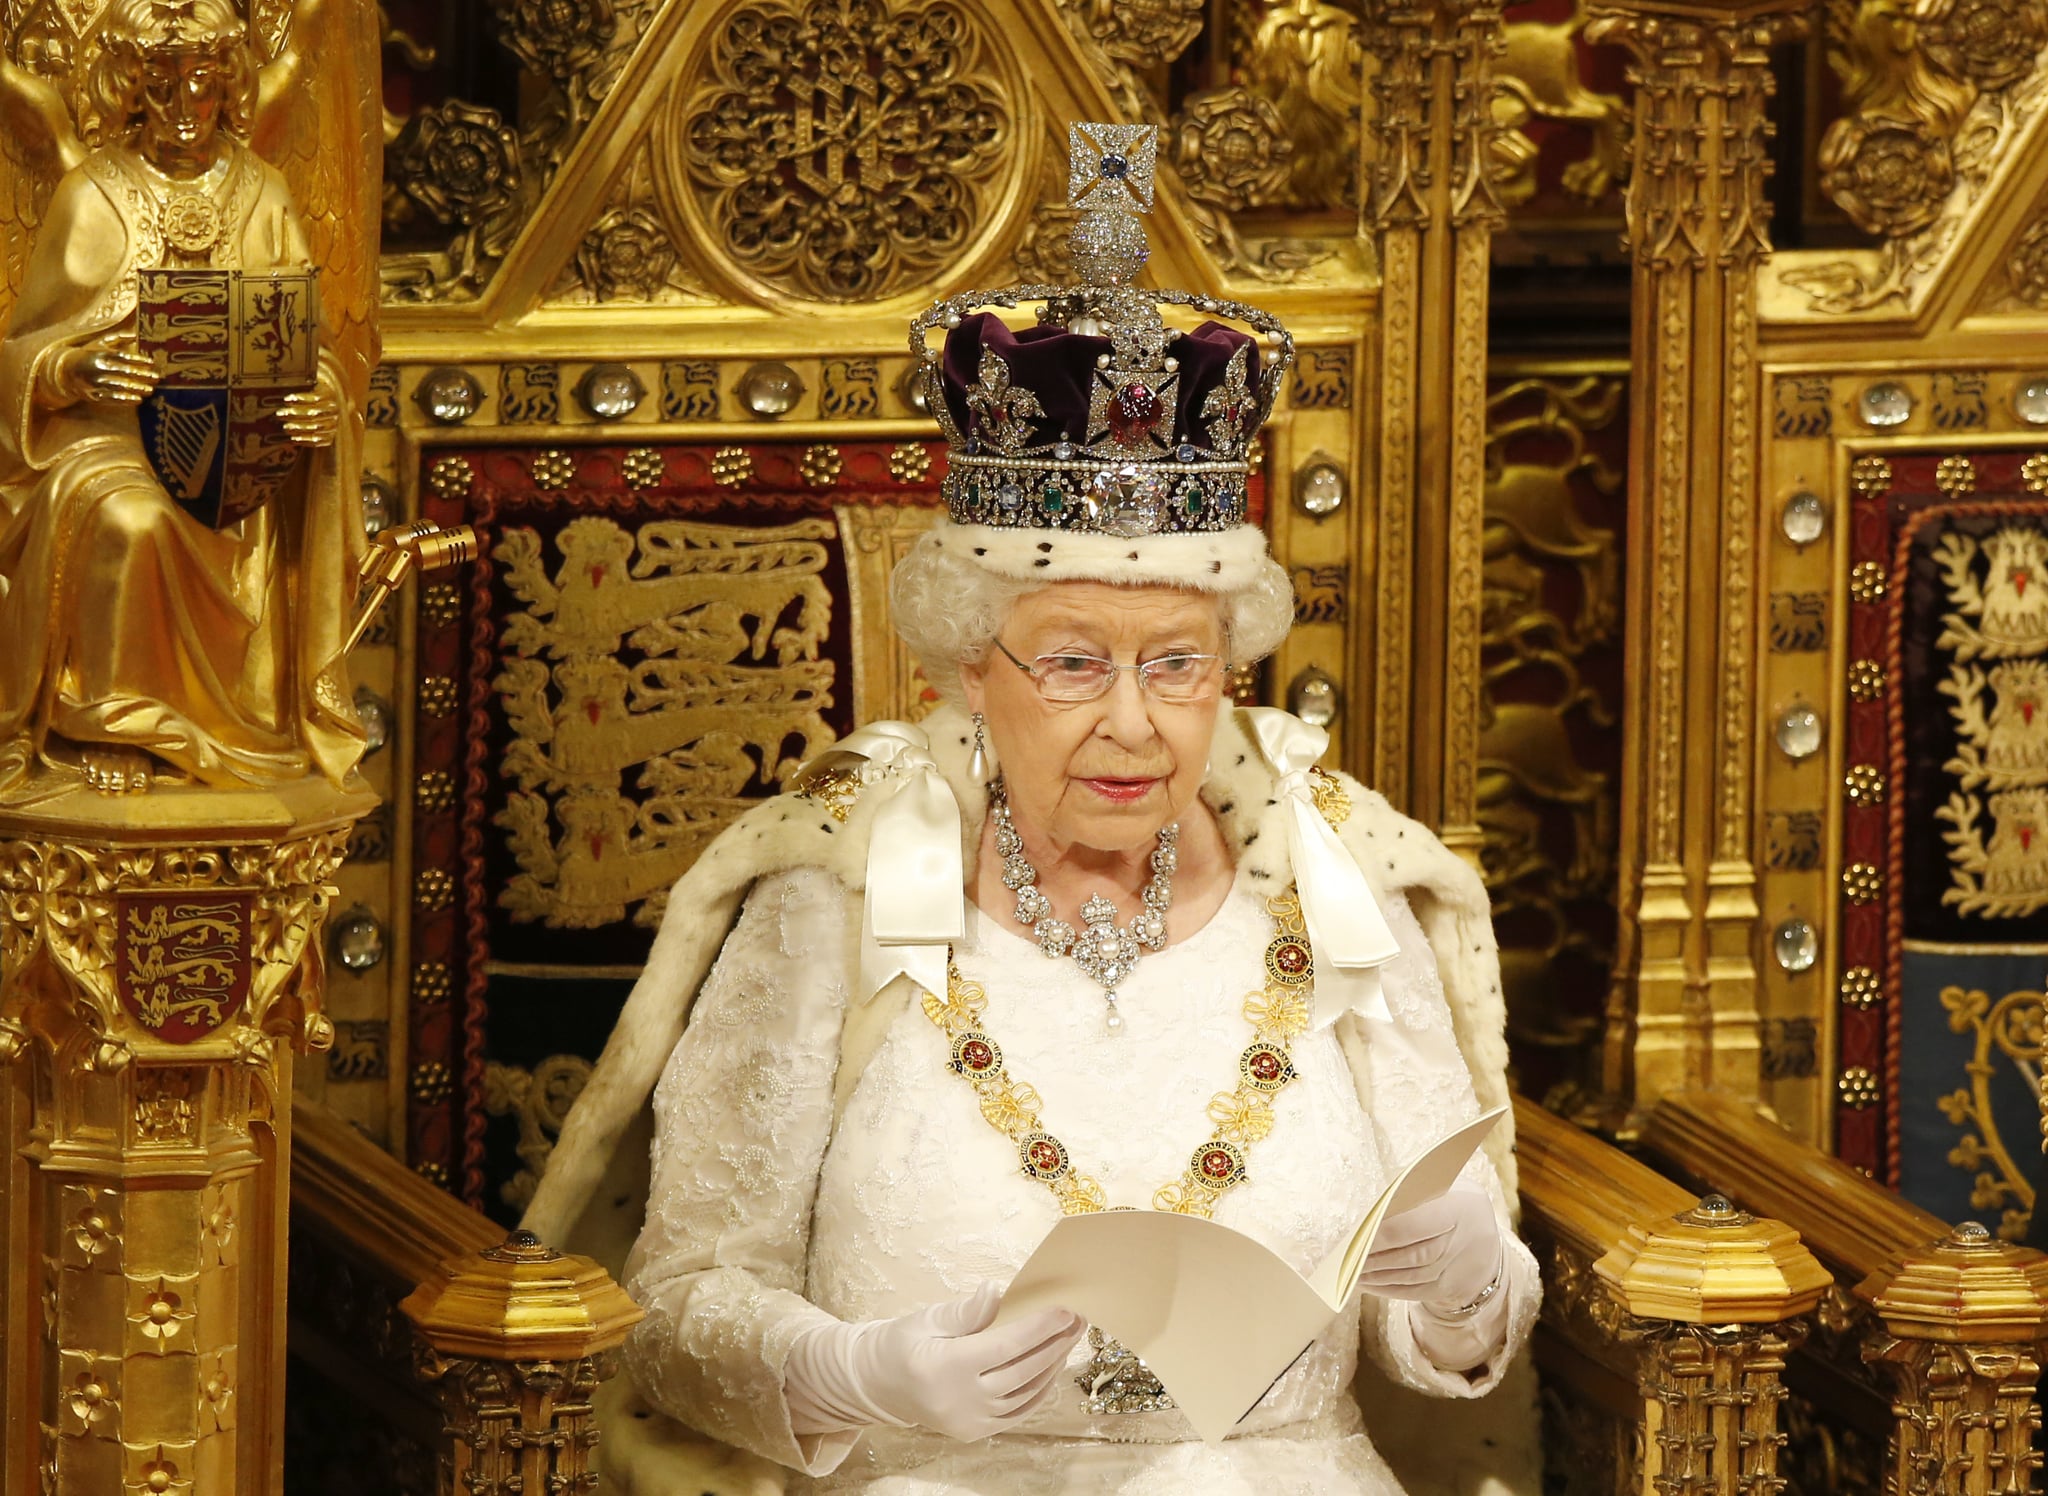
{"points": [[311, 417], [106, 373]]}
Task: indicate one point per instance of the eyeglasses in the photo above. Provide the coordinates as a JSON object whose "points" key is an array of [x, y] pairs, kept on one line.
{"points": [[1079, 677]]}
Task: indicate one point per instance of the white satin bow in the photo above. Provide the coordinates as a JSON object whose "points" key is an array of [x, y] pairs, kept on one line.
{"points": [[1345, 927], [915, 903]]}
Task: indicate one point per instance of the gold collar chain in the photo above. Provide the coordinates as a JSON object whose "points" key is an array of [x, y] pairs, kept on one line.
{"points": [[1278, 1012]]}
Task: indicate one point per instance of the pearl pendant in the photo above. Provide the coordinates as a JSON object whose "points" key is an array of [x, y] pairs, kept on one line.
{"points": [[1103, 949]]}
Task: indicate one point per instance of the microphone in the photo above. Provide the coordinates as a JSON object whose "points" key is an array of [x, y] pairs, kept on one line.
{"points": [[396, 554]]}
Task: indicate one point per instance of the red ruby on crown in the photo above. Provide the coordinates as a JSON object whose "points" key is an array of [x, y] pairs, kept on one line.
{"points": [[1133, 411]]}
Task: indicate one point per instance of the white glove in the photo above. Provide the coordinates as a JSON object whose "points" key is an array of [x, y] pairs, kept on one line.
{"points": [[1442, 1254], [941, 1367]]}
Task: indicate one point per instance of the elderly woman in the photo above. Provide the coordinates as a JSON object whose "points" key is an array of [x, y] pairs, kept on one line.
{"points": [[1017, 963]]}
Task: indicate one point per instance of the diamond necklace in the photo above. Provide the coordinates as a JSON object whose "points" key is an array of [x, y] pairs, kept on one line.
{"points": [[1105, 950]]}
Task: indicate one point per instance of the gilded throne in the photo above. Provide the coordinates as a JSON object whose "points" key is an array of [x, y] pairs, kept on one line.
{"points": [[641, 305]]}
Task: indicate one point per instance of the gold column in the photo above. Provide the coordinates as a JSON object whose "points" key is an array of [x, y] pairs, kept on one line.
{"points": [[1713, 1298], [1685, 1005], [518, 1337], [1963, 1325], [155, 980], [1433, 213]]}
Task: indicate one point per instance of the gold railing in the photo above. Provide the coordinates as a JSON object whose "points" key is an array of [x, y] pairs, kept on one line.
{"points": [[1929, 1338], [1666, 1347]]}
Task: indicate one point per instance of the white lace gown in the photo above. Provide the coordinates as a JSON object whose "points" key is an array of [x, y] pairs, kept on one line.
{"points": [[764, 1218]]}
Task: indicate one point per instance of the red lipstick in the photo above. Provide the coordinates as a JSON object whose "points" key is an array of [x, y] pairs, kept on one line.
{"points": [[1121, 791]]}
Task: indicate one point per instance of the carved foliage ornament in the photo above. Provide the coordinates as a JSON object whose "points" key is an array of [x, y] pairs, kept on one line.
{"points": [[1911, 76], [1992, 43], [558, 38], [841, 150], [2028, 266], [1144, 32], [458, 161]]}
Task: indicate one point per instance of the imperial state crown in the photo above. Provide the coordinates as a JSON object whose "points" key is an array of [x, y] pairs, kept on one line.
{"points": [[1102, 418]]}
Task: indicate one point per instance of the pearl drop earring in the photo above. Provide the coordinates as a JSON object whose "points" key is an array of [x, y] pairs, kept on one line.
{"points": [[977, 763]]}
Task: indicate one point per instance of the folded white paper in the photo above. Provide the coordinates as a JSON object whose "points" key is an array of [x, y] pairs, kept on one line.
{"points": [[1215, 1315]]}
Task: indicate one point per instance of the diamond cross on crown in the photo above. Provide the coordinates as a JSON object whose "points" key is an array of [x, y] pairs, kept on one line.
{"points": [[1111, 167]]}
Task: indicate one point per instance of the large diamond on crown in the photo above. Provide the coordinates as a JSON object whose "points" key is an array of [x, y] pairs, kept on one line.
{"points": [[1127, 500]]}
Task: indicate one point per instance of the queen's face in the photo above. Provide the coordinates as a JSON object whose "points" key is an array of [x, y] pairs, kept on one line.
{"points": [[1103, 774], [184, 94]]}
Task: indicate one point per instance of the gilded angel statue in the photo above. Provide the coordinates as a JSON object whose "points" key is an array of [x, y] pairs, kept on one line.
{"points": [[180, 521]]}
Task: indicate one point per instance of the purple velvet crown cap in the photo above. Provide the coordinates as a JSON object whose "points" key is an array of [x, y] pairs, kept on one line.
{"points": [[1058, 367]]}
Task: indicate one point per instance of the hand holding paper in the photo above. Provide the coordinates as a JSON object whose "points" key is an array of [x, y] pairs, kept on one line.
{"points": [[943, 1367], [1444, 1251], [1215, 1315]]}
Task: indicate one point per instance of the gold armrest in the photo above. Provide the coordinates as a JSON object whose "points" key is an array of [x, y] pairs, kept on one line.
{"points": [[1583, 1192], [461, 1339], [1853, 1224], [1666, 1319], [371, 1206]]}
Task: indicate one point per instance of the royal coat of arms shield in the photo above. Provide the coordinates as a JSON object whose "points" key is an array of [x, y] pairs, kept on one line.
{"points": [[183, 959], [229, 345]]}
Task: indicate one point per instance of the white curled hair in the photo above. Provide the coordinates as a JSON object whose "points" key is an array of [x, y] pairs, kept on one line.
{"points": [[948, 610]]}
